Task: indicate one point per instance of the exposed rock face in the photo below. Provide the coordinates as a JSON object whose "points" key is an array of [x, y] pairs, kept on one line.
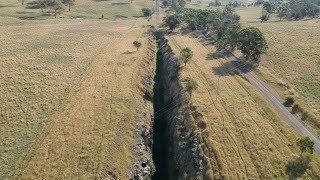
{"points": [[184, 124], [142, 151], [186, 147], [142, 167]]}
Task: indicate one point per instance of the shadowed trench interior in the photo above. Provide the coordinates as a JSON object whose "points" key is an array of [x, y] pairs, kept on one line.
{"points": [[160, 132]]}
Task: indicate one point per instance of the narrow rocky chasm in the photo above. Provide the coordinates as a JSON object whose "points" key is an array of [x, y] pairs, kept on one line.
{"points": [[160, 136], [176, 138]]}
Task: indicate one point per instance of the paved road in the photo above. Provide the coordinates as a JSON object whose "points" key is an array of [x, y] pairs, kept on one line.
{"points": [[292, 120]]}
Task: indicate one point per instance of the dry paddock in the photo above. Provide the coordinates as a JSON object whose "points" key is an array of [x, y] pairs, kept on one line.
{"points": [[246, 136], [69, 97]]}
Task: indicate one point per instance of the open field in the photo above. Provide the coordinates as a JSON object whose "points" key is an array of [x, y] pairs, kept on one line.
{"points": [[70, 97], [246, 137], [82, 8], [291, 66], [76, 97]]}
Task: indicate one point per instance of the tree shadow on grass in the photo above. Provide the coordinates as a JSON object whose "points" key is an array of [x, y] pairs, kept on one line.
{"points": [[129, 52], [232, 67], [33, 5], [218, 55], [25, 12], [5, 6], [297, 168], [226, 69], [137, 16], [185, 31], [245, 66], [205, 38]]}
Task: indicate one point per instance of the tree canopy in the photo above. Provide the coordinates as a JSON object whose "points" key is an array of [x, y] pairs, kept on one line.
{"points": [[146, 12], [269, 7], [282, 10], [265, 16], [297, 9], [187, 54], [69, 3], [58, 7], [305, 144], [252, 43], [200, 19], [190, 85], [226, 29], [172, 21]]}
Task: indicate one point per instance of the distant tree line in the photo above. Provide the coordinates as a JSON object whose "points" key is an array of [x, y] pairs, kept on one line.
{"points": [[292, 10], [234, 4], [176, 5], [215, 3]]}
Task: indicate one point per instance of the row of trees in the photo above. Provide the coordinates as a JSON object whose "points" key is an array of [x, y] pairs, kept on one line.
{"points": [[44, 4], [292, 10], [57, 6], [177, 5], [215, 3], [190, 84], [230, 35], [228, 32], [233, 4]]}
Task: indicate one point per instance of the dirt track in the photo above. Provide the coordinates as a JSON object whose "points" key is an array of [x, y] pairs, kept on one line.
{"points": [[292, 120]]}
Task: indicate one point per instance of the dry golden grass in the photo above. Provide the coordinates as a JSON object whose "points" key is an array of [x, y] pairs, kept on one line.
{"points": [[291, 65], [69, 97], [247, 136]]}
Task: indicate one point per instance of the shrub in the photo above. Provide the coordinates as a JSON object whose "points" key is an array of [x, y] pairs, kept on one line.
{"points": [[296, 108], [146, 12], [304, 116], [264, 17], [305, 144], [165, 3], [190, 85], [289, 102]]}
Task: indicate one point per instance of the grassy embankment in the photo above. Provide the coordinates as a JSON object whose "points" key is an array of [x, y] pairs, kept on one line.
{"points": [[245, 135], [291, 65]]}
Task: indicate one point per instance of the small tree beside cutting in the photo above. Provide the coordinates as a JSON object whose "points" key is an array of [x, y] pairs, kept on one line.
{"points": [[137, 44], [186, 54]]}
